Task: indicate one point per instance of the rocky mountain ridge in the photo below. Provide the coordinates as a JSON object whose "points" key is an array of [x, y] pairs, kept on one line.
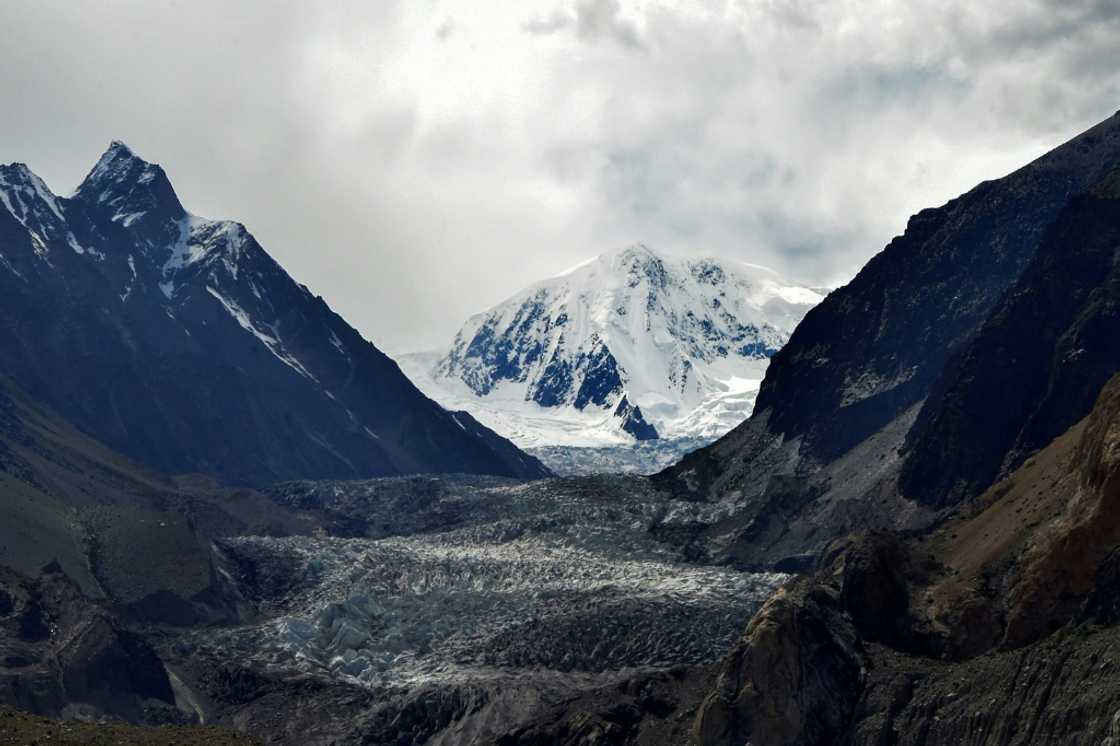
{"points": [[1045, 381], [823, 453], [179, 341]]}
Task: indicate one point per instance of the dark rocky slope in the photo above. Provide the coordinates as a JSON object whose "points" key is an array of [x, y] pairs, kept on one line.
{"points": [[1035, 366], [999, 628], [60, 653], [822, 454], [180, 342], [126, 535], [874, 347], [990, 618]]}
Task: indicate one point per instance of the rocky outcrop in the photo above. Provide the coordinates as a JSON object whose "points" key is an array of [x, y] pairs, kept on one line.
{"points": [[60, 653], [651, 708], [793, 678], [997, 628], [633, 422]]}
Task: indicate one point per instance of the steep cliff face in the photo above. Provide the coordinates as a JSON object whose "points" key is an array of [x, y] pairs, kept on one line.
{"points": [[58, 650], [984, 278], [868, 354], [875, 346], [1035, 366]]}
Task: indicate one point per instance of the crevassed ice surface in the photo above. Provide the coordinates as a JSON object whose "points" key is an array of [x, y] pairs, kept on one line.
{"points": [[553, 576]]}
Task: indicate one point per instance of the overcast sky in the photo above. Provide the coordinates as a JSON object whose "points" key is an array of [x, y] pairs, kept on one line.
{"points": [[417, 162]]}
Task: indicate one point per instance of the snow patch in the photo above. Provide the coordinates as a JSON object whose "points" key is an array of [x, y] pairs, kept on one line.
{"points": [[335, 341], [200, 242], [128, 219], [270, 341], [132, 281]]}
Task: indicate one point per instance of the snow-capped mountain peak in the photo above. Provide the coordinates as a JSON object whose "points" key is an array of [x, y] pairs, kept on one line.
{"points": [[135, 193], [118, 169], [175, 245], [197, 350], [31, 202], [677, 344]]}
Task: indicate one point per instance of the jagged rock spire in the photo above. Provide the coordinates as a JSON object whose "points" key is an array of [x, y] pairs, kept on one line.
{"points": [[139, 192]]}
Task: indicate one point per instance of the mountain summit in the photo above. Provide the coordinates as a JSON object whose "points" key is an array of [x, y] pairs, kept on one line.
{"points": [[180, 342], [633, 344]]}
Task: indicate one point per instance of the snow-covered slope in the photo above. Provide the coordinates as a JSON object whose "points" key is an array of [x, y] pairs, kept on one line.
{"points": [[631, 345]]}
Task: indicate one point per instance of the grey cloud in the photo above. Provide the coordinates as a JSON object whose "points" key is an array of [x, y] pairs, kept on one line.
{"points": [[599, 19], [415, 163], [554, 22], [592, 20]]}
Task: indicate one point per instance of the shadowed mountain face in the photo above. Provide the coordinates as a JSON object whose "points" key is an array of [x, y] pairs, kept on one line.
{"points": [[93, 548], [949, 637], [180, 342], [1036, 365], [121, 532], [874, 347], [825, 450]]}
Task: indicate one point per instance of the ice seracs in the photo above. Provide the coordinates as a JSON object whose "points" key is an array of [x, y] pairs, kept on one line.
{"points": [[629, 345], [478, 579]]}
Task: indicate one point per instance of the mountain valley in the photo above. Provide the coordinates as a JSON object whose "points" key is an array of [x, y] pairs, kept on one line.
{"points": [[223, 508]]}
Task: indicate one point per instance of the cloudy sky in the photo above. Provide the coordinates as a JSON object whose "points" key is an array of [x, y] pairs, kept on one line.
{"points": [[416, 162]]}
